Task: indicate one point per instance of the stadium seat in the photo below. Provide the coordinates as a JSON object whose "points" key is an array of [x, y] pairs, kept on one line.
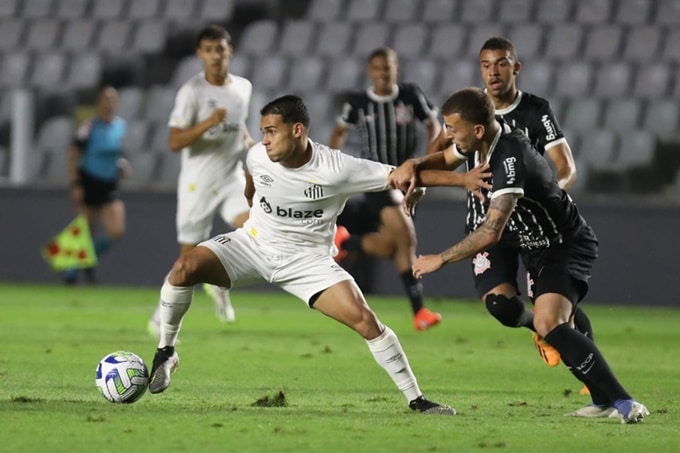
{"points": [[149, 36], [573, 79], [84, 71], [613, 79], [402, 11], [43, 34], [333, 40], [239, 65], [144, 167], [8, 8], [671, 50], [169, 167], [536, 77], [178, 10], [186, 68], [137, 136], [409, 40], [448, 41], [114, 36], [217, 10], [11, 34], [130, 102], [622, 115], [527, 39], [49, 73], [4, 163], [422, 72], [636, 149], [516, 11], [72, 9], [633, 11], [598, 150], [478, 34], [667, 13], [109, 9], [563, 42], [143, 10], [370, 36], [477, 12], [582, 114], [327, 11], [457, 74], [297, 37], [272, 72], [344, 74], [259, 38], [159, 103], [321, 111], [14, 68], [662, 117], [363, 10], [557, 107], [652, 81], [603, 43], [443, 11], [306, 73], [593, 11], [33, 9], [158, 137], [554, 11], [78, 35], [54, 138], [642, 43]]}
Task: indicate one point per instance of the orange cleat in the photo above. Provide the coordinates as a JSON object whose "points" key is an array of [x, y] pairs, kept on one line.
{"points": [[548, 354], [341, 235], [425, 319]]}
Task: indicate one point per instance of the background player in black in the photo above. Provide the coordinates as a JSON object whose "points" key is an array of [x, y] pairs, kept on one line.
{"points": [[558, 247], [386, 116]]}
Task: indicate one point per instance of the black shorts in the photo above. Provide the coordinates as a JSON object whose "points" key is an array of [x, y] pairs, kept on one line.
{"points": [[497, 265], [97, 192], [362, 214], [563, 269]]}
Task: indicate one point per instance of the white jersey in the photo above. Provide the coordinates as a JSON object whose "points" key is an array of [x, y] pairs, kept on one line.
{"points": [[217, 154], [295, 209]]}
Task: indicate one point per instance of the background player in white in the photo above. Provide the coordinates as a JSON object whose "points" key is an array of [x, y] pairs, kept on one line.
{"points": [[207, 125], [296, 188]]}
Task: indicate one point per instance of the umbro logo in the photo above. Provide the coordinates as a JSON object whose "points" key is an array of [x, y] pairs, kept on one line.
{"points": [[266, 180]]}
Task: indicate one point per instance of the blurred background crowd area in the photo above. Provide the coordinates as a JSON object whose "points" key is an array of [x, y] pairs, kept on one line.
{"points": [[608, 67]]}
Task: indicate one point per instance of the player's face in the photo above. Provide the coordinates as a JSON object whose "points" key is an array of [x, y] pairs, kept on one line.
{"points": [[383, 74], [281, 140], [465, 135], [107, 102], [215, 55], [498, 71]]}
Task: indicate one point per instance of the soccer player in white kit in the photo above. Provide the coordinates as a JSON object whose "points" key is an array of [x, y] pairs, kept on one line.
{"points": [[207, 125], [296, 188]]}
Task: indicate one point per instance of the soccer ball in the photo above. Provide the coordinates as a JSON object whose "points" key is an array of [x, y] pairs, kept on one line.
{"points": [[122, 377]]}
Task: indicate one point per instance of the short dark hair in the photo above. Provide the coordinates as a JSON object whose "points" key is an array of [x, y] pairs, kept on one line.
{"points": [[213, 32], [500, 43], [385, 52], [290, 107], [472, 104]]}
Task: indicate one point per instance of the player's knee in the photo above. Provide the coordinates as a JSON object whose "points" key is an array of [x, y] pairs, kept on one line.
{"points": [[183, 271], [507, 310]]}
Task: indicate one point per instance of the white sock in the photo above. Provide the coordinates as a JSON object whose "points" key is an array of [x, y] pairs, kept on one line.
{"points": [[156, 316], [175, 301], [388, 353]]}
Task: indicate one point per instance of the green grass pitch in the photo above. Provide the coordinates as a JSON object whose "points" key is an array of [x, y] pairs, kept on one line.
{"points": [[336, 397]]}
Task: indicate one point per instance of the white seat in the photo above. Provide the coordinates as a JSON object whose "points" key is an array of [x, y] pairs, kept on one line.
{"points": [[159, 103], [55, 135], [144, 10], [448, 41], [554, 11], [306, 73], [78, 35], [642, 44], [527, 39], [633, 11], [573, 79], [667, 13], [14, 69], [408, 40], [43, 34], [593, 11], [516, 11], [108, 9], [187, 67], [671, 50], [149, 36], [598, 149], [652, 81], [8, 8], [333, 39], [636, 149], [169, 167], [144, 168], [477, 12], [11, 34], [49, 73], [297, 37], [33, 9], [457, 74], [240, 65], [422, 72], [363, 10], [71, 9], [178, 10], [564, 42], [613, 80], [443, 11], [84, 71], [603, 42], [402, 11], [271, 74], [136, 140], [621, 115], [259, 38], [369, 36], [582, 114]]}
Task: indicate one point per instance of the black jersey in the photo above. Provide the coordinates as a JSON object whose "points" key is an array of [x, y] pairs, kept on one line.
{"points": [[533, 116], [387, 124], [545, 214]]}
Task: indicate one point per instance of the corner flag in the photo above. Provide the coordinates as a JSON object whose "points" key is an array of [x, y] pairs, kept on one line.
{"points": [[72, 247]]}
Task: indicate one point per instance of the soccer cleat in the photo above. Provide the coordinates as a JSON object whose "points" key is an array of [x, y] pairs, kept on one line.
{"points": [[165, 362], [424, 319], [548, 354], [223, 308], [341, 235], [630, 411], [421, 404], [593, 411]]}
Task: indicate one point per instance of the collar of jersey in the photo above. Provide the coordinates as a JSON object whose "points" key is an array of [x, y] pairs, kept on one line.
{"points": [[492, 147], [370, 91], [512, 106]]}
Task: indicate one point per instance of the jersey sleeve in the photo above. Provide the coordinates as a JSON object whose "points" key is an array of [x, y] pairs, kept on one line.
{"points": [[349, 114], [545, 128], [183, 112], [423, 108], [361, 175], [509, 171]]}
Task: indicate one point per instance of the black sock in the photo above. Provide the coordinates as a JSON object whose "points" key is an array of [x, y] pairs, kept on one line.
{"points": [[593, 370], [414, 290], [582, 323], [526, 319]]}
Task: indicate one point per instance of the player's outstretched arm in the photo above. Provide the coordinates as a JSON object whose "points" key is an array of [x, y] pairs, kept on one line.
{"points": [[561, 156]]}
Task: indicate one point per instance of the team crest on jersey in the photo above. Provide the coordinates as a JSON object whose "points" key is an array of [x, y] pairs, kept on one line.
{"points": [[212, 103], [481, 263], [402, 114], [314, 191], [266, 207]]}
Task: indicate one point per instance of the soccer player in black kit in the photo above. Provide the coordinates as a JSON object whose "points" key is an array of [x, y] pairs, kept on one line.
{"points": [[386, 115], [557, 245]]}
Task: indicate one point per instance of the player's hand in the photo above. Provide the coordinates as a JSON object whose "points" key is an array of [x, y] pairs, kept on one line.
{"points": [[409, 203], [218, 115], [426, 264], [124, 167], [404, 177], [474, 180]]}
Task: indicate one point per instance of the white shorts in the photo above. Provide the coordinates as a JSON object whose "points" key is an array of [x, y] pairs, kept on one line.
{"points": [[196, 209], [247, 262]]}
